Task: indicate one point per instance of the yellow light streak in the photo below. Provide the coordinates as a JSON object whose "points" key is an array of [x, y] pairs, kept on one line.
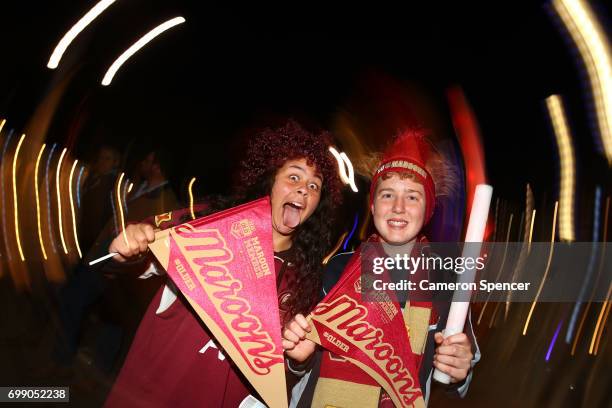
{"points": [[333, 251], [108, 77], [2, 124], [566, 157], [61, 47], [74, 224], [606, 305], [533, 214], [15, 205], [129, 190], [593, 46], [121, 216], [550, 254], [602, 257], [501, 269], [190, 189], [38, 219], [579, 331], [59, 199], [493, 315]]}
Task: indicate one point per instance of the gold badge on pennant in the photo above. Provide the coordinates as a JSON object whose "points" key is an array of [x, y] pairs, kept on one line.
{"points": [[242, 228], [161, 218]]}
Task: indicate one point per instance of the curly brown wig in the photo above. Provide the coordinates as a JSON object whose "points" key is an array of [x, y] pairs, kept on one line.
{"points": [[266, 153]]}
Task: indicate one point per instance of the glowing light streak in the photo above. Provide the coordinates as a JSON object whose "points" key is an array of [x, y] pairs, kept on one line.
{"points": [[341, 168], [74, 223], [344, 165], [352, 232], [336, 247], [601, 330], [590, 267], [61, 47], [129, 190], [4, 222], [596, 333], [38, 217], [48, 192], [492, 320], [605, 306], [467, 129], [550, 254], [15, 201], [114, 207], [580, 326], [351, 172], [108, 77], [190, 190], [601, 259], [78, 191], [501, 268], [121, 216], [593, 47], [553, 341], [533, 214], [526, 247], [124, 197], [59, 200], [567, 165]]}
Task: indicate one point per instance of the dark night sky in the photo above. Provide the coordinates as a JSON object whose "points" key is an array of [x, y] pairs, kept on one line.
{"points": [[231, 67]]}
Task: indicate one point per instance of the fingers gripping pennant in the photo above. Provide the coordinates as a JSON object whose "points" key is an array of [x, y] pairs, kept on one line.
{"points": [[224, 266]]}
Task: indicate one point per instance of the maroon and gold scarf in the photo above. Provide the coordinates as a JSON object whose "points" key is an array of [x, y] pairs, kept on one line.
{"points": [[369, 345]]}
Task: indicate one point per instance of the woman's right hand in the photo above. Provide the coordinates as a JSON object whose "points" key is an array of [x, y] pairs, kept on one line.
{"points": [[295, 343], [139, 236]]}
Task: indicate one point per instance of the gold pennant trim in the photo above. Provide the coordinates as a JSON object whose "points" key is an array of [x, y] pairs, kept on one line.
{"points": [[417, 325]]}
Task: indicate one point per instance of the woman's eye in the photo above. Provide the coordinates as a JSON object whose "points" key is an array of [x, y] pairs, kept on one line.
{"points": [[293, 177], [314, 186], [386, 195]]}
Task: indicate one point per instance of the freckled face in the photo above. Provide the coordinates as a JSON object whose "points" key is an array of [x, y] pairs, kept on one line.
{"points": [[398, 209], [295, 195]]}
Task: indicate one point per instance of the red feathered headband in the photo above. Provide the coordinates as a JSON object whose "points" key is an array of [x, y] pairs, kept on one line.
{"points": [[409, 153]]}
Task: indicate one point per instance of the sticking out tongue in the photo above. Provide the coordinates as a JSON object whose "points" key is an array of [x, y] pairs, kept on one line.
{"points": [[291, 216]]}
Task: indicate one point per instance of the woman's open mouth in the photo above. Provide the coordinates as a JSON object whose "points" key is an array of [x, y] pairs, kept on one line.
{"points": [[396, 223], [291, 213]]}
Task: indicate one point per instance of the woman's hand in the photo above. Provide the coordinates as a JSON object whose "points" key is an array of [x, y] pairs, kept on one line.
{"points": [[295, 343], [139, 236], [453, 355]]}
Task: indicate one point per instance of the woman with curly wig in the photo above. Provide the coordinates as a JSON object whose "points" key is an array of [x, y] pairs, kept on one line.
{"points": [[174, 361]]}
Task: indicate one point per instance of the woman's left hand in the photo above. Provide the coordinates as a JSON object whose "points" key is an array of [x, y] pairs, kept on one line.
{"points": [[295, 343]]}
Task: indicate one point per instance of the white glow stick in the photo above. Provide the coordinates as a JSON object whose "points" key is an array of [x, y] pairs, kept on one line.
{"points": [[475, 233], [103, 258]]}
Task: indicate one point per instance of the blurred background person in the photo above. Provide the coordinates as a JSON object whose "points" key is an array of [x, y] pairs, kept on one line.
{"points": [[96, 208]]}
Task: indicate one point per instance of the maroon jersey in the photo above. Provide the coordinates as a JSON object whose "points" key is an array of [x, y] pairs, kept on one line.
{"points": [[174, 361]]}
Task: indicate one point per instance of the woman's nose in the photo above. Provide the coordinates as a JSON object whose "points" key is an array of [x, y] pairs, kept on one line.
{"points": [[398, 205]]}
